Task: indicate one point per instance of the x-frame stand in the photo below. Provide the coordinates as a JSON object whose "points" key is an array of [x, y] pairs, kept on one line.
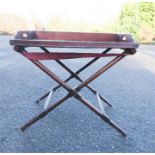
{"points": [[74, 92]]}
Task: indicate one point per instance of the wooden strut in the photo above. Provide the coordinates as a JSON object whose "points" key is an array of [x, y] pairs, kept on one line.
{"points": [[59, 56], [74, 93], [75, 75]]}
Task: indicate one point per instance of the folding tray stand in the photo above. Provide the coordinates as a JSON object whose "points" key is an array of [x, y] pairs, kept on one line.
{"points": [[45, 40]]}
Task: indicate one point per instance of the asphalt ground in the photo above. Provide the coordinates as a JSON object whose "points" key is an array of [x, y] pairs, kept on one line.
{"points": [[72, 127]]}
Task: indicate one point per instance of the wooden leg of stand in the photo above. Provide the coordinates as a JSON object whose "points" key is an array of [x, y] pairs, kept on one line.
{"points": [[44, 113]]}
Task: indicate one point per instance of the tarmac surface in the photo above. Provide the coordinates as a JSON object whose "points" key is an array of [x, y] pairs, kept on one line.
{"points": [[72, 127]]}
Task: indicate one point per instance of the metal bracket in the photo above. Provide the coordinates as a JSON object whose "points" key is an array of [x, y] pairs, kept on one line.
{"points": [[48, 100], [101, 106]]}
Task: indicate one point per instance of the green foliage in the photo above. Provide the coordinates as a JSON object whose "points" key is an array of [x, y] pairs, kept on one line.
{"points": [[138, 19], [129, 19], [147, 15]]}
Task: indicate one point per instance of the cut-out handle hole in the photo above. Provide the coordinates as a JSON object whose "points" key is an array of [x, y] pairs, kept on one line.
{"points": [[25, 35], [124, 38]]}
